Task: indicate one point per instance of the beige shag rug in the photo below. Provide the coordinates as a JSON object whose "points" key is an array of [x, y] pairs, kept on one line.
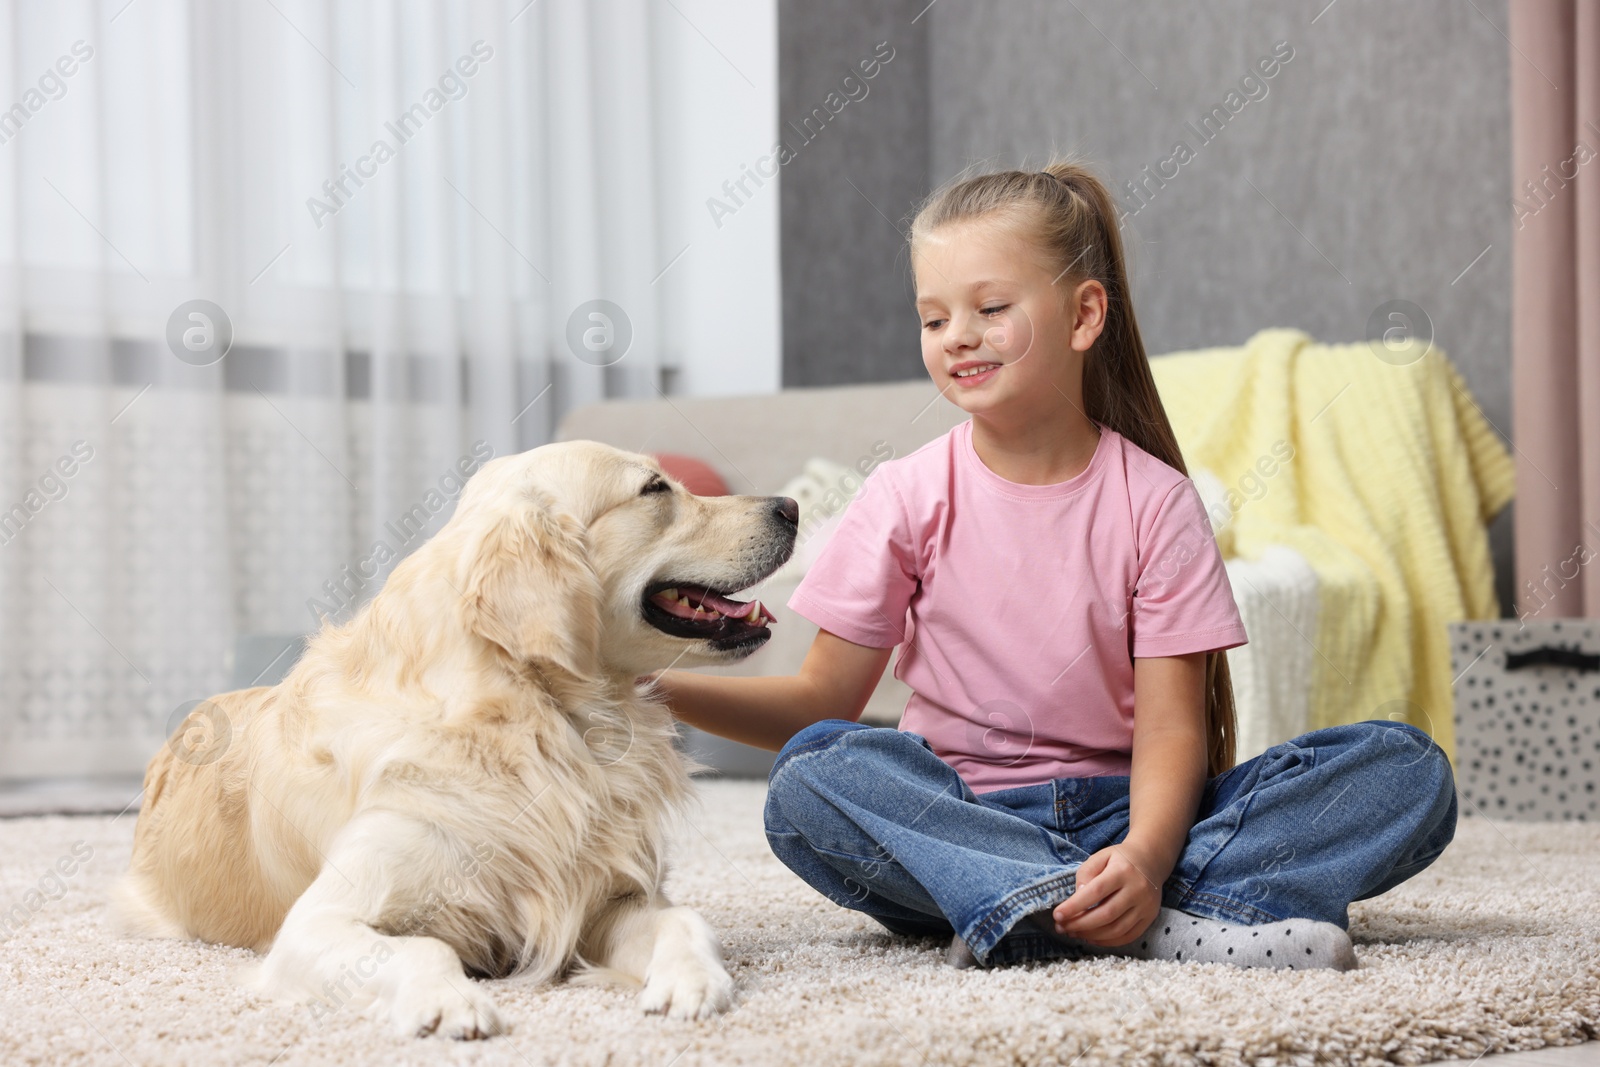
{"points": [[1495, 948]]}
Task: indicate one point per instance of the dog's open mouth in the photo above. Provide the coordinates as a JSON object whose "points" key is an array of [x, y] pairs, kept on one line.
{"points": [[684, 609]]}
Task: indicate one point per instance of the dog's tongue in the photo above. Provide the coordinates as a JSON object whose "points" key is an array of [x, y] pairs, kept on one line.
{"points": [[733, 609], [707, 600]]}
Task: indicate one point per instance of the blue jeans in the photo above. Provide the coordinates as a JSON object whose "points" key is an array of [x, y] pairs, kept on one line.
{"points": [[876, 822]]}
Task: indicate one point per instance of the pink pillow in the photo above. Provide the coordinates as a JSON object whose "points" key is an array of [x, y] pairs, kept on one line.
{"points": [[698, 477]]}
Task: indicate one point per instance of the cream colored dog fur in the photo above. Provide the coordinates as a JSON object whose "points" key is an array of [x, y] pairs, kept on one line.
{"points": [[464, 778]]}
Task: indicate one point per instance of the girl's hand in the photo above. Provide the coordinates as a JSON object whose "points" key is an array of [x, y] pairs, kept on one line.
{"points": [[1114, 900]]}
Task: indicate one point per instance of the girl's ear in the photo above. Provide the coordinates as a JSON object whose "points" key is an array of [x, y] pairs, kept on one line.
{"points": [[1088, 310], [531, 590]]}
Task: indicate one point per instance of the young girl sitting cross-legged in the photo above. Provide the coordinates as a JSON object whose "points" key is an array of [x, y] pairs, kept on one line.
{"points": [[1062, 781]]}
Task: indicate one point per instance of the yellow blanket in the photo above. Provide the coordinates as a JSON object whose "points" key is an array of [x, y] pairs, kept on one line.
{"points": [[1395, 472]]}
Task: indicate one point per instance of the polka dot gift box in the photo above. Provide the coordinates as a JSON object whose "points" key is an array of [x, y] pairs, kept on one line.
{"points": [[1527, 706]]}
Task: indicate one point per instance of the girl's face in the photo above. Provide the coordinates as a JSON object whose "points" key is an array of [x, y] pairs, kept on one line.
{"points": [[997, 331]]}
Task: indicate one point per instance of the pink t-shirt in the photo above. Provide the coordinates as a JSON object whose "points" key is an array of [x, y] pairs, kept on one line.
{"points": [[1023, 606]]}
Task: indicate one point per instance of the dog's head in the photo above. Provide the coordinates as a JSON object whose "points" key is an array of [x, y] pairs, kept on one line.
{"points": [[592, 559]]}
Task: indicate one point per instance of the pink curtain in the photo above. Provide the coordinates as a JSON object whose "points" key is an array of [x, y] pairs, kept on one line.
{"points": [[1555, 304]]}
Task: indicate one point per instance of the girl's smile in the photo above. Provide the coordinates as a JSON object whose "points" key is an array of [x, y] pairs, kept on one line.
{"points": [[969, 374]]}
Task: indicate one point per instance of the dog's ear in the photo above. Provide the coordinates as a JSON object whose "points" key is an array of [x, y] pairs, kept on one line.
{"points": [[531, 589]]}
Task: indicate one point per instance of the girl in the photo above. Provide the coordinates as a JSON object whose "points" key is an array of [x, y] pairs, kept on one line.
{"points": [[1062, 781]]}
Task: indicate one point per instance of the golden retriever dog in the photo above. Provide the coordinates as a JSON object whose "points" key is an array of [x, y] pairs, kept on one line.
{"points": [[464, 779]]}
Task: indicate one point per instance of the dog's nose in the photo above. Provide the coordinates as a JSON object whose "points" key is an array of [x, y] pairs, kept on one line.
{"points": [[787, 509]]}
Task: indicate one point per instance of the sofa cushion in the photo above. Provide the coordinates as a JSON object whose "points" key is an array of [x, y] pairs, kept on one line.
{"points": [[697, 476]]}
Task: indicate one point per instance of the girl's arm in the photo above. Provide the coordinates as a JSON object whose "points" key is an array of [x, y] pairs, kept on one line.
{"points": [[835, 682], [1169, 758], [1168, 777]]}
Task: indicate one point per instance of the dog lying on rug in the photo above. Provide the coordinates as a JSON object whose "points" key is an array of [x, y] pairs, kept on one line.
{"points": [[463, 779]]}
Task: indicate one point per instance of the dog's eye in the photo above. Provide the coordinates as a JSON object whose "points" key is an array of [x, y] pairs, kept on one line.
{"points": [[659, 485]]}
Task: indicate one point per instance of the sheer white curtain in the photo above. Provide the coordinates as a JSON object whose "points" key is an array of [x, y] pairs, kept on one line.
{"points": [[397, 207]]}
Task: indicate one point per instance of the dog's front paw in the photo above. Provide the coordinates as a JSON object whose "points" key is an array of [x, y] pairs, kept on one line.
{"points": [[687, 988], [455, 1009]]}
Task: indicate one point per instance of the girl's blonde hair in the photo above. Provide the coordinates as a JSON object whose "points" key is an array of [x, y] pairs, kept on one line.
{"points": [[1068, 214]]}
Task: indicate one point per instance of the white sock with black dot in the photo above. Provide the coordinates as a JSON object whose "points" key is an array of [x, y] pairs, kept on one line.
{"points": [[1290, 944]]}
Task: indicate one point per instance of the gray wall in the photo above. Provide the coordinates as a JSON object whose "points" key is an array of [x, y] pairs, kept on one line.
{"points": [[1380, 159], [848, 312]]}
